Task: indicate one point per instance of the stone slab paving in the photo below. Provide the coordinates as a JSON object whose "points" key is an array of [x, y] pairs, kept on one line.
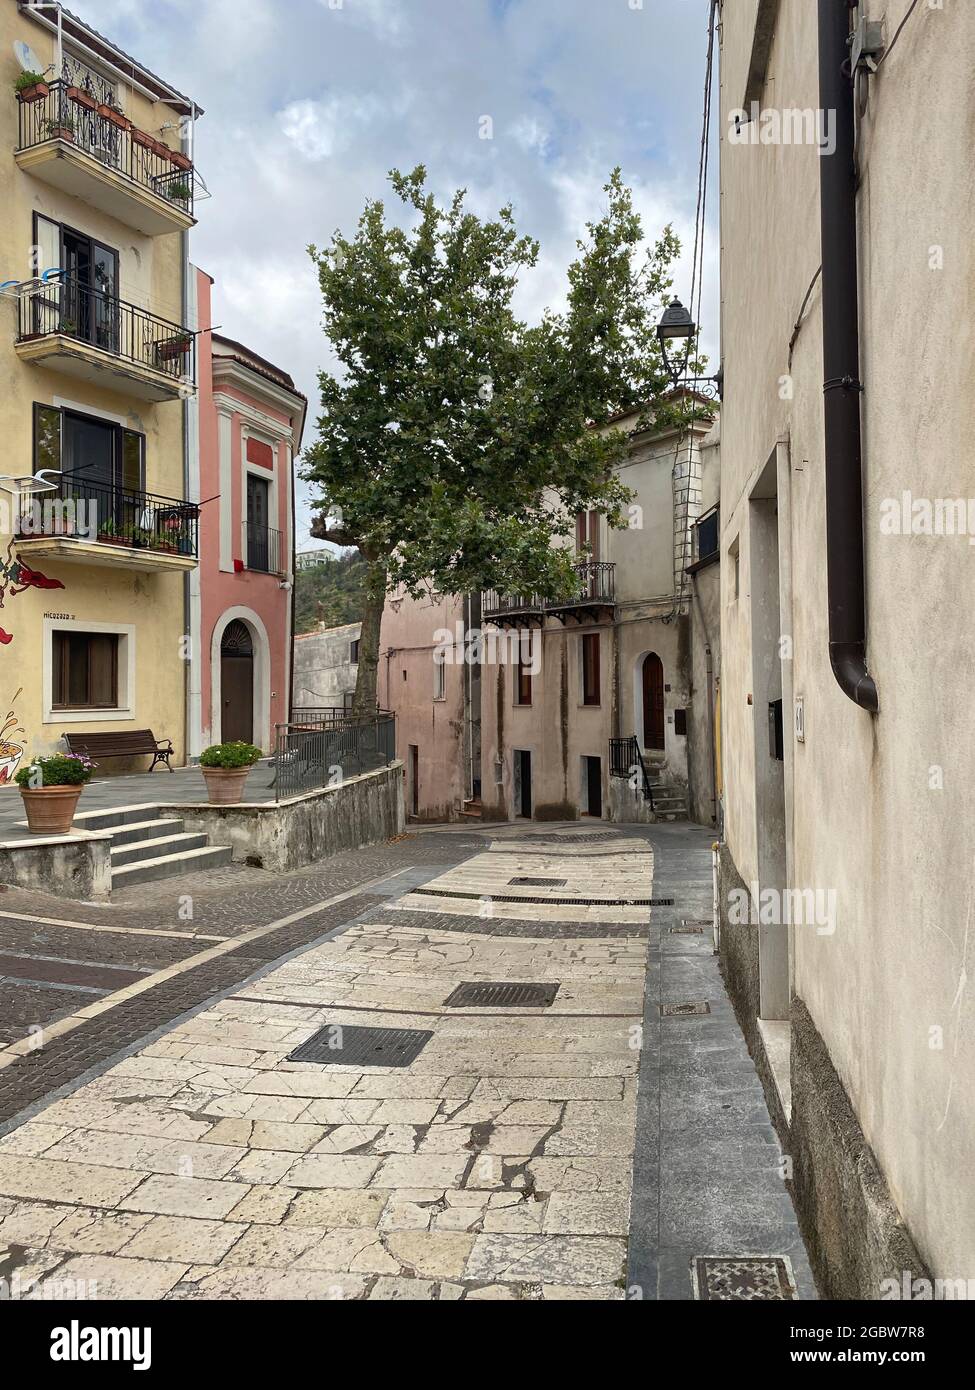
{"points": [[202, 1163]]}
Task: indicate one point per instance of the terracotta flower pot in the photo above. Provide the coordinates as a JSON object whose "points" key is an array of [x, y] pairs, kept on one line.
{"points": [[225, 785], [83, 98], [144, 141], [181, 160], [108, 113], [50, 810], [36, 93]]}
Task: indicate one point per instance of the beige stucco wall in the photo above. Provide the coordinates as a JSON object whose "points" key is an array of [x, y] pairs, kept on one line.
{"points": [[150, 276], [862, 817]]}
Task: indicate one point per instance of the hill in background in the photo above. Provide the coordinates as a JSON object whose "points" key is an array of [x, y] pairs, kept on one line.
{"points": [[330, 593]]}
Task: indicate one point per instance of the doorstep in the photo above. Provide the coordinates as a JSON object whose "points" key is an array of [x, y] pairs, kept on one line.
{"points": [[776, 1035]]}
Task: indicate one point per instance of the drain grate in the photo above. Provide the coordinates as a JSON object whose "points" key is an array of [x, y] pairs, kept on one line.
{"points": [[346, 1045], [684, 1010], [687, 931], [523, 898], [537, 882], [500, 994], [747, 1279]]}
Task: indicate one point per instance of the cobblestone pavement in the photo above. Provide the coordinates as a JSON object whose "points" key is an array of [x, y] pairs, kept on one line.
{"points": [[171, 1149]]}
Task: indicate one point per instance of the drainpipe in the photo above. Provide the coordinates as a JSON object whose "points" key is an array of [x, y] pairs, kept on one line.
{"points": [[841, 363]]}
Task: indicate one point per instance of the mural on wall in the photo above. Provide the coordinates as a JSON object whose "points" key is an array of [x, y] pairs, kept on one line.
{"points": [[16, 578], [11, 751]]}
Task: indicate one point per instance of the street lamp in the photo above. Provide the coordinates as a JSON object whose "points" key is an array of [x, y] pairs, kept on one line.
{"points": [[676, 324]]}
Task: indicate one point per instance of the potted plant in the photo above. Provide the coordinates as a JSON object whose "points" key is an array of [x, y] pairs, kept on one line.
{"points": [[169, 349], [144, 141], [68, 326], [225, 767], [181, 160], [114, 116], [62, 128], [50, 788], [141, 538], [31, 87], [82, 98], [178, 192]]}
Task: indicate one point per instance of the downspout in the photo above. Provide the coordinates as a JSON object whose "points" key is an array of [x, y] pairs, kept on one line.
{"points": [[841, 366]]}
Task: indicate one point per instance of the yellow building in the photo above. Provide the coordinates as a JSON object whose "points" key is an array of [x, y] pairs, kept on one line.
{"points": [[97, 364]]}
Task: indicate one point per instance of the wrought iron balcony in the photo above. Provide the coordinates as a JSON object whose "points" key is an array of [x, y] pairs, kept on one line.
{"points": [[84, 332], [594, 597], [263, 549], [73, 138], [94, 523]]}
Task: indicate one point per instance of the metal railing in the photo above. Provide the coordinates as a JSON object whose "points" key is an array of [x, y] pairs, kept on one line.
{"points": [[78, 117], [595, 583], [86, 509], [626, 761], [263, 549], [67, 306], [310, 754]]}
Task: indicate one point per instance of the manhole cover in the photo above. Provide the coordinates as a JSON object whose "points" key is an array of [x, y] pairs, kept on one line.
{"points": [[684, 1010], [747, 1279], [537, 882], [490, 994], [342, 1045]]}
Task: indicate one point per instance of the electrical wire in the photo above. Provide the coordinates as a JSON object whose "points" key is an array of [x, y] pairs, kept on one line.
{"points": [[897, 33]]}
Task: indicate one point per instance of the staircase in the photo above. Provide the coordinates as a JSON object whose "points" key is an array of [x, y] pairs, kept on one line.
{"points": [[667, 801], [145, 848]]}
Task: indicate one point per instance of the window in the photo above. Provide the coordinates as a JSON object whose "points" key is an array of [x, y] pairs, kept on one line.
{"points": [[354, 653], [97, 452], [85, 670], [590, 668], [587, 534], [706, 533], [523, 670], [439, 678]]}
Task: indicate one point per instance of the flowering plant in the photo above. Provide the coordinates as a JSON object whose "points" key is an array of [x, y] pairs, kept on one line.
{"points": [[230, 755], [59, 770]]}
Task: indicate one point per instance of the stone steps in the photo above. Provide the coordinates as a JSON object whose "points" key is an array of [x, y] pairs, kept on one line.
{"points": [[146, 847]]}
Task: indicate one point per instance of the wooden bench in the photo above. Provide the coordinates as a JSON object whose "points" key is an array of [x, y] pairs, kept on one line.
{"points": [[124, 744]]}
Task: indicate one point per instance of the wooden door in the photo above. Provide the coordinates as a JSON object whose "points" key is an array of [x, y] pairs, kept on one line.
{"points": [[653, 702], [237, 685]]}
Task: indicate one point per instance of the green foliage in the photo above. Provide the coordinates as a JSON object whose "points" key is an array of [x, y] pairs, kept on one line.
{"points": [[58, 770], [229, 755], [332, 593], [460, 442], [26, 80]]}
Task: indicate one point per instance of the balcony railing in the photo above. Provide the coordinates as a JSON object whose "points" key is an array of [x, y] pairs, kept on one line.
{"points": [[595, 589], [85, 509], [77, 117], [72, 309], [263, 549]]}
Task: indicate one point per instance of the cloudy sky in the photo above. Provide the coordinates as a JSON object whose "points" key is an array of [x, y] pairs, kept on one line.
{"points": [[310, 102]]}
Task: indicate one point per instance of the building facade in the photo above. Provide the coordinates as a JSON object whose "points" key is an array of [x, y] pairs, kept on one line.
{"points": [[244, 438], [326, 666], [846, 864], [508, 706], [599, 707], [426, 680], [97, 370]]}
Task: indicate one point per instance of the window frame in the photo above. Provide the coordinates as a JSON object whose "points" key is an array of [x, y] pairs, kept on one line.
{"points": [[125, 708], [60, 700], [590, 642], [120, 432]]}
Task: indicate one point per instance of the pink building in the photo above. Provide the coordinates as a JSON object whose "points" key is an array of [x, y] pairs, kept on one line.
{"points": [[245, 429]]}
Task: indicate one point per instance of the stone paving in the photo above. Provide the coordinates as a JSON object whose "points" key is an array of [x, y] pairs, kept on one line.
{"points": [[517, 1157]]}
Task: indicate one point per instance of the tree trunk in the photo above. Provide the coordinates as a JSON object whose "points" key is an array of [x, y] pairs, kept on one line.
{"points": [[365, 700]]}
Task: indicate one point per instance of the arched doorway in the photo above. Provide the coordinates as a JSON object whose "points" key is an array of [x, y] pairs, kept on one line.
{"points": [[237, 684], [653, 702]]}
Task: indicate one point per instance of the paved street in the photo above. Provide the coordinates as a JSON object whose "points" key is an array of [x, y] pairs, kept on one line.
{"points": [[161, 1143]]}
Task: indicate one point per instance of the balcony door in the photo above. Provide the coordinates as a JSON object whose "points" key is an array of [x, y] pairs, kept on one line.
{"points": [[89, 306], [258, 512], [653, 703]]}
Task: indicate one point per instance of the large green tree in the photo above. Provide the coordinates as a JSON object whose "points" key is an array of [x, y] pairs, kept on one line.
{"points": [[457, 444]]}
